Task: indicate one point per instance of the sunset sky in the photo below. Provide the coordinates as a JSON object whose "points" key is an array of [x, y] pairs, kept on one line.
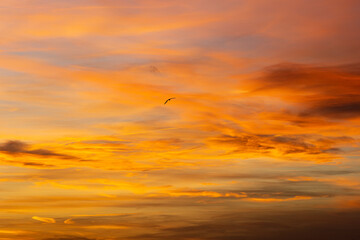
{"points": [[261, 143]]}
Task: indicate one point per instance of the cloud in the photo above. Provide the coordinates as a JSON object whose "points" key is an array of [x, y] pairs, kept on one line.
{"points": [[279, 199], [44, 219], [336, 110], [309, 146], [69, 221], [280, 224], [37, 164], [95, 89], [69, 238], [327, 91], [105, 227], [14, 147], [198, 194], [16, 232]]}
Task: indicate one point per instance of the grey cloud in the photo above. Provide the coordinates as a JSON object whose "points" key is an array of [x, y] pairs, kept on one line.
{"points": [[15, 147]]}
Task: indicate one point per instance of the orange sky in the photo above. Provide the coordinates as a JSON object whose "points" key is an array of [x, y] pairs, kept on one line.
{"points": [[263, 134]]}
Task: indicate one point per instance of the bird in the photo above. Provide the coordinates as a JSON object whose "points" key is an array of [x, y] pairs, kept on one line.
{"points": [[168, 100]]}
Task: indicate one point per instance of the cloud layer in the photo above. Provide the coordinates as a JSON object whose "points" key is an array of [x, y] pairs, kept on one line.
{"points": [[261, 142]]}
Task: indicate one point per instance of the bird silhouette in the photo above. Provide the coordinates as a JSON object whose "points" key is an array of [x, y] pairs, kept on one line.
{"points": [[168, 100]]}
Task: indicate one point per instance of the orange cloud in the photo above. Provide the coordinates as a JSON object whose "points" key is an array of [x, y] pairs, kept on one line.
{"points": [[324, 91]]}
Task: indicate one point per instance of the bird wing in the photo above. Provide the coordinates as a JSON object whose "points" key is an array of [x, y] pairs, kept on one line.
{"points": [[168, 100]]}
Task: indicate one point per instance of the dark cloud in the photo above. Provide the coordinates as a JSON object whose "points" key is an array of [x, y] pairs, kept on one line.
{"points": [[69, 238], [14, 147], [332, 92], [288, 189], [279, 225], [332, 172], [348, 109], [37, 164]]}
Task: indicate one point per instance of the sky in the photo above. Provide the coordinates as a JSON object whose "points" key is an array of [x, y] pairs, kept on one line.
{"points": [[261, 142]]}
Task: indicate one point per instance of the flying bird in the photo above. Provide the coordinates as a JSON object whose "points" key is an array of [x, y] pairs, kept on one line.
{"points": [[168, 100]]}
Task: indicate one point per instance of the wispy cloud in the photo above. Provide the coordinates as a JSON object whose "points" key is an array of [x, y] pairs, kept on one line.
{"points": [[44, 219]]}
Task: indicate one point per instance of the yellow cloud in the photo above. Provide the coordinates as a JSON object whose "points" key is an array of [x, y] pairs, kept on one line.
{"points": [[44, 219], [197, 193], [2, 231], [278, 199], [69, 221]]}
